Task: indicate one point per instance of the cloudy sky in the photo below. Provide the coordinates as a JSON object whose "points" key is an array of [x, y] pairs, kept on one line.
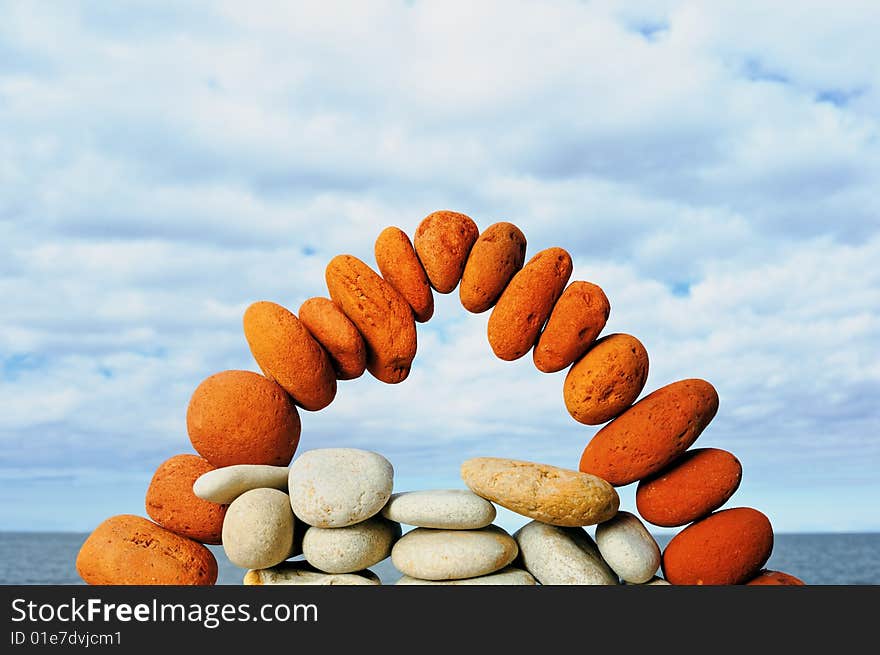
{"points": [[714, 169]]}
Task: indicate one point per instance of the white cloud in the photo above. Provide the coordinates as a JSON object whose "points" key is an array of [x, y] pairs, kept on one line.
{"points": [[714, 170]]}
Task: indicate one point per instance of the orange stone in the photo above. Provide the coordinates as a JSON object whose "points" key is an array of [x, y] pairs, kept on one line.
{"points": [[401, 268], [242, 417], [286, 352], [651, 434], [696, 484], [725, 548], [526, 303], [172, 504], [337, 335], [496, 257], [380, 313], [443, 241], [130, 550], [606, 380], [767, 577], [576, 320]]}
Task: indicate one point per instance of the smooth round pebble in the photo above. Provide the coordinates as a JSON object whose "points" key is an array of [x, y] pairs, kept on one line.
{"points": [[443, 241], [628, 548], [770, 578], [431, 554], [576, 320], [506, 576], [725, 548], [401, 268], [258, 529], [346, 550], [496, 257], [130, 550], [447, 509], [301, 573], [242, 417], [546, 493], [694, 485], [225, 484], [526, 303], [652, 433], [562, 556], [337, 335], [338, 487], [287, 352], [606, 380], [382, 316], [171, 503]]}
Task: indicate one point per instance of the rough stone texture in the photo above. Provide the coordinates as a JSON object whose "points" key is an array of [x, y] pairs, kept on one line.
{"points": [[258, 530], [526, 303], [380, 313], [652, 433], [562, 556], [725, 548], [547, 493], [338, 487], [287, 353], [767, 577], [628, 548], [346, 550], [496, 257], [338, 336], [506, 576], [448, 509], [301, 573], [241, 417], [171, 503], [443, 241], [401, 268], [606, 380], [130, 550], [225, 484], [693, 486], [430, 554], [576, 320]]}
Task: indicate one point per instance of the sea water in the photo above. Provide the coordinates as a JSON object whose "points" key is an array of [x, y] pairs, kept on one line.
{"points": [[42, 558]]}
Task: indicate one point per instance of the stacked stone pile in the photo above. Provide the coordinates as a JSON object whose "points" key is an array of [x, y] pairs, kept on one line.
{"points": [[335, 506], [454, 541]]}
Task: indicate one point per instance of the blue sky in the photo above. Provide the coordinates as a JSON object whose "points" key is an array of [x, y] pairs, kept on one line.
{"points": [[714, 169]]}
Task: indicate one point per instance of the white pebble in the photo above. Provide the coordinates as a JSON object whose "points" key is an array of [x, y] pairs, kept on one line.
{"points": [[338, 487], [447, 509]]}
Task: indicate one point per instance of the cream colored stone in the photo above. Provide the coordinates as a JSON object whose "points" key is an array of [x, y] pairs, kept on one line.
{"points": [[258, 529], [338, 487], [628, 548], [350, 549], [562, 556], [656, 581], [506, 576], [445, 509], [453, 554], [225, 484], [300, 573], [545, 493]]}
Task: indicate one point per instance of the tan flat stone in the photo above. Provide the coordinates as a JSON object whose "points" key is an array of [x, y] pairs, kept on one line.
{"points": [[542, 492]]}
